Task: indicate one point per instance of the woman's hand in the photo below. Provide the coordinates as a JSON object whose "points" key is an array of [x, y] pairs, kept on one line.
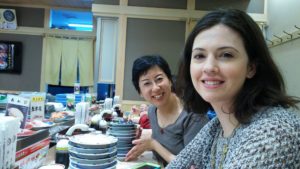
{"points": [[144, 143]]}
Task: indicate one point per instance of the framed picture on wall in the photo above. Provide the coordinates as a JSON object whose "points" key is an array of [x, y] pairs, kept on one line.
{"points": [[10, 57]]}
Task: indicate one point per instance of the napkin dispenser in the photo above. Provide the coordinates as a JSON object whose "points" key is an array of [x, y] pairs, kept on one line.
{"points": [[9, 127], [82, 113]]}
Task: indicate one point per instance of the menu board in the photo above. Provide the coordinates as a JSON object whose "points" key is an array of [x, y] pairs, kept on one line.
{"points": [[37, 107], [37, 104], [18, 107]]}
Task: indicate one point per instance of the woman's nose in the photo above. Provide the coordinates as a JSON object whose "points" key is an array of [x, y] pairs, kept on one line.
{"points": [[155, 86], [211, 65]]}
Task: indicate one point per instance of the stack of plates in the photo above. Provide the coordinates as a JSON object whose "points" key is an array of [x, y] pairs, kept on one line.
{"points": [[93, 151], [126, 133]]}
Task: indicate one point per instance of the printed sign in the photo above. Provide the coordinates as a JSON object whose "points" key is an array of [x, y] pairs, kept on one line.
{"points": [[37, 107], [37, 104], [8, 19], [18, 107]]}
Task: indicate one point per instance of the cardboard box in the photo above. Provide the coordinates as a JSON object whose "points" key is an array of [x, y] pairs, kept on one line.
{"points": [[33, 156]]}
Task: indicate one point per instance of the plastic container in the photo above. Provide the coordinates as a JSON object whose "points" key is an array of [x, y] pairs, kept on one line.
{"points": [[76, 88], [62, 154]]}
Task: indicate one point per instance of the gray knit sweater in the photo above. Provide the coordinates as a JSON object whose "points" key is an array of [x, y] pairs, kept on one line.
{"points": [[271, 140]]}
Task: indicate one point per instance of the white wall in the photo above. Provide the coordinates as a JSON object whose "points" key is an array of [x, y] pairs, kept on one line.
{"points": [[287, 56], [283, 15]]}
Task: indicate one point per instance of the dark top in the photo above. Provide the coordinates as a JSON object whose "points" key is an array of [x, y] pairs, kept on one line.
{"points": [[176, 136]]}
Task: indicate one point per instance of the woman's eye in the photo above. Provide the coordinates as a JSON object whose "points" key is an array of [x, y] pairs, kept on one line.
{"points": [[227, 55], [147, 83], [159, 79], [198, 56]]}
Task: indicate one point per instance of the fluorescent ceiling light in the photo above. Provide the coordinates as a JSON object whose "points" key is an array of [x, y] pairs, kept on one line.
{"points": [[80, 25]]}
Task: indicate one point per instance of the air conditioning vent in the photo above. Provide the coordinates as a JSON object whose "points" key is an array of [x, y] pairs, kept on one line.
{"points": [[8, 19]]}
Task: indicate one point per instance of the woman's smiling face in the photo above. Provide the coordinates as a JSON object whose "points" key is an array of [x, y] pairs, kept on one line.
{"points": [[155, 87], [219, 65]]}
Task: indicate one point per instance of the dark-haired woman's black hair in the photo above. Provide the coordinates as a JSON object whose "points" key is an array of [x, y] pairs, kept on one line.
{"points": [[143, 64], [266, 88]]}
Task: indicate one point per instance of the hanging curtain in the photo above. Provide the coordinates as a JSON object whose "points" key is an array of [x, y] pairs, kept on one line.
{"points": [[69, 62], [85, 58], [69, 54], [52, 60]]}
